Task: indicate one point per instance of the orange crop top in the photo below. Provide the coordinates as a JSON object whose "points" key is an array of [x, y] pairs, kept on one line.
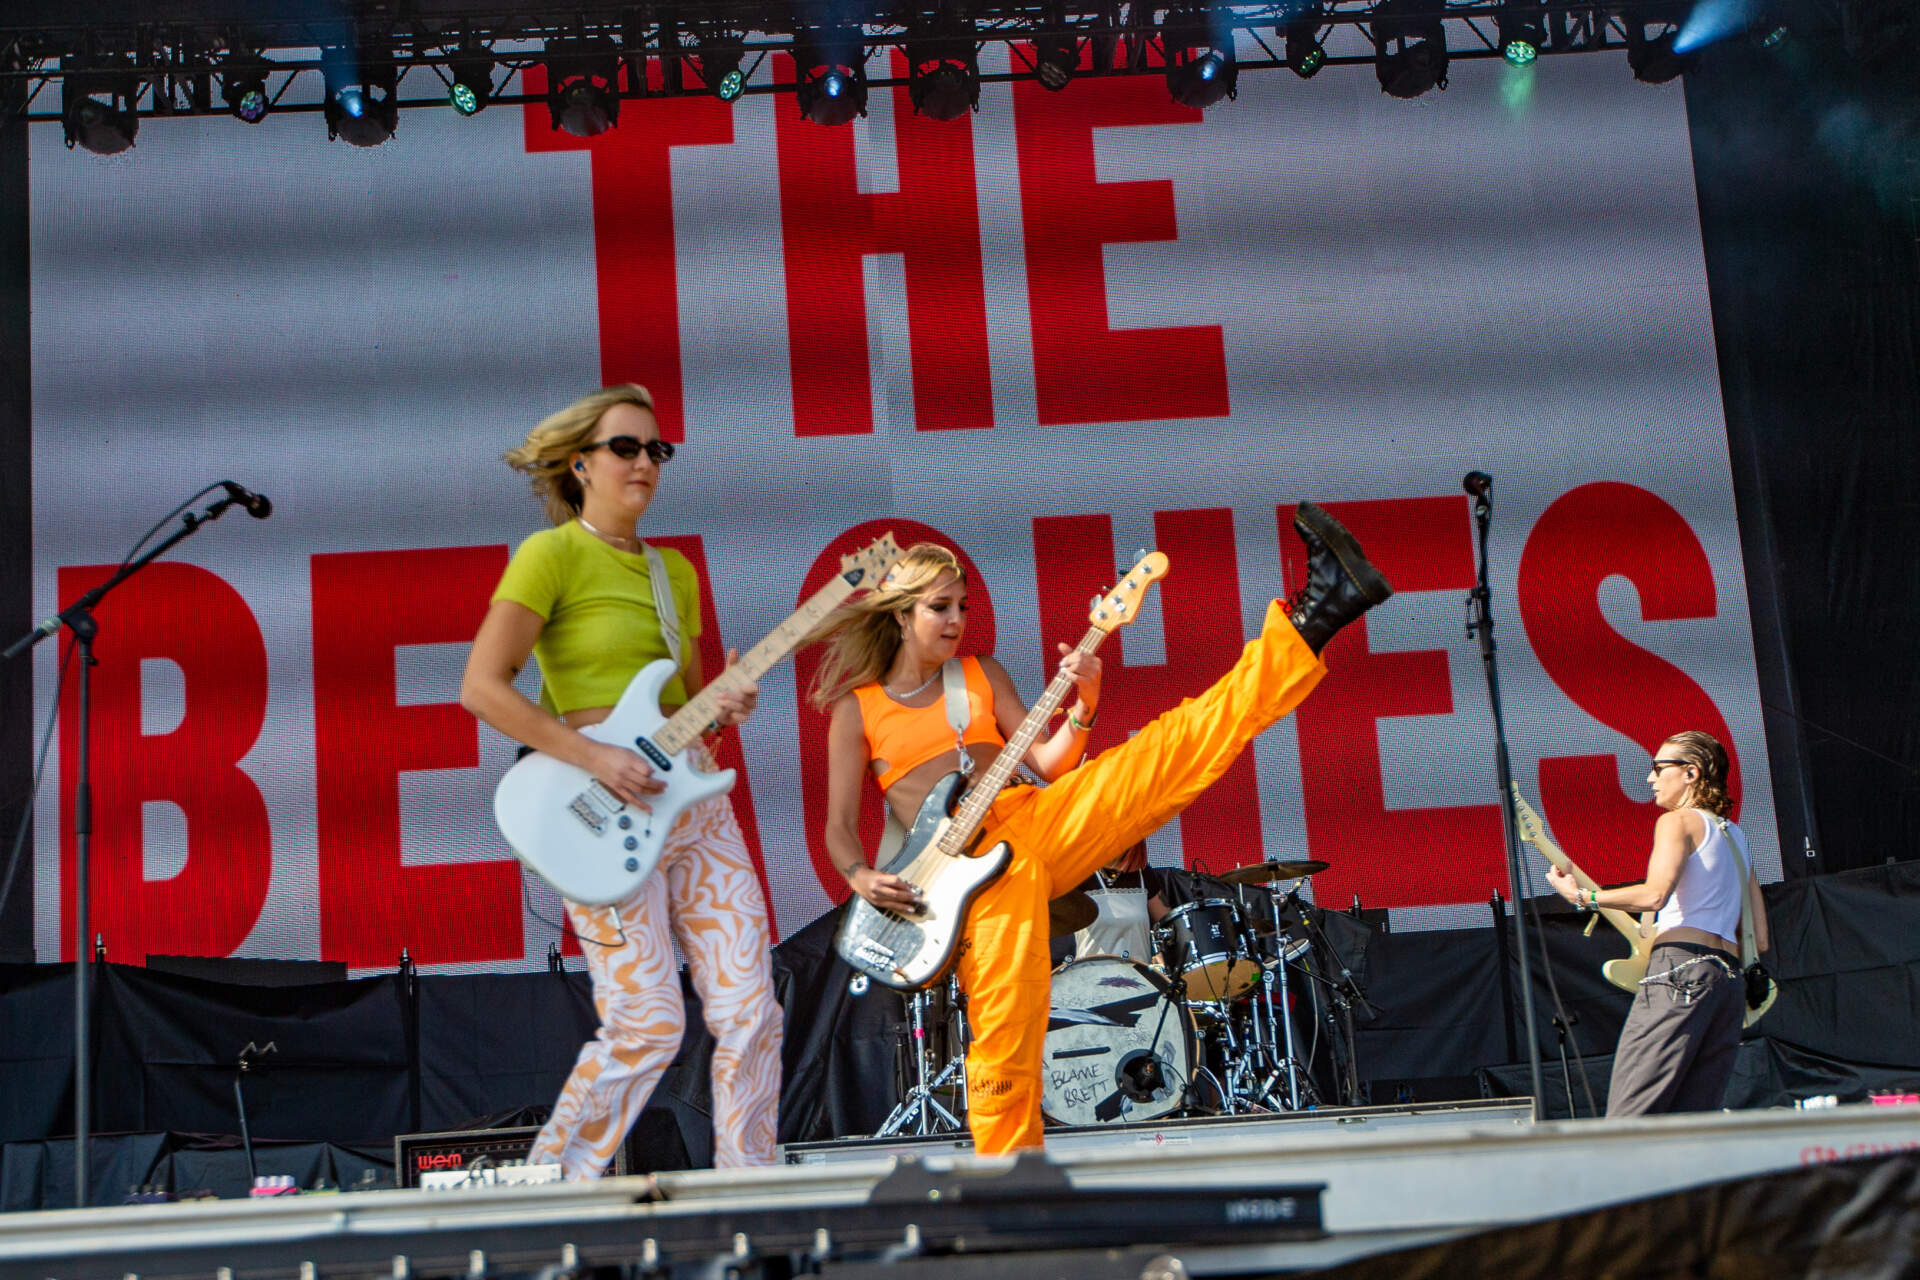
{"points": [[908, 737]]}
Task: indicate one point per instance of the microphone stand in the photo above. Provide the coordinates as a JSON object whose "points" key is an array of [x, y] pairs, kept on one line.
{"points": [[1480, 624], [78, 618]]}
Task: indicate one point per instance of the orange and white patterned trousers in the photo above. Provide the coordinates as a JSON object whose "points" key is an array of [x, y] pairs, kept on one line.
{"points": [[706, 892]]}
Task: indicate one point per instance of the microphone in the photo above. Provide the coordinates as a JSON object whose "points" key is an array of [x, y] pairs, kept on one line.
{"points": [[1477, 483], [258, 505], [32, 638]]}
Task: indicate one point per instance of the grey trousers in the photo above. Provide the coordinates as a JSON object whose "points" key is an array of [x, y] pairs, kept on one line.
{"points": [[1676, 1051]]}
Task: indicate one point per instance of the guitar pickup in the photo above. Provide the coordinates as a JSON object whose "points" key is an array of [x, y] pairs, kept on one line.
{"points": [[873, 953]]}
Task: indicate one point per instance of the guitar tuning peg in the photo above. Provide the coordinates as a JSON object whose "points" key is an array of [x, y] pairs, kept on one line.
{"points": [[1093, 603], [1139, 555]]}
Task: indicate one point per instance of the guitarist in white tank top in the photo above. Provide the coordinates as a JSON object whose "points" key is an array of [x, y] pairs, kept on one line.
{"points": [[1677, 1049]]}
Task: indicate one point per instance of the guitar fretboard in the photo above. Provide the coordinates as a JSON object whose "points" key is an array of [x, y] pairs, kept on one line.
{"points": [[690, 721], [974, 807]]}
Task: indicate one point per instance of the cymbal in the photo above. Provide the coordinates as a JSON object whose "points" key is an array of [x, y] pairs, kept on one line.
{"points": [[1262, 872], [1070, 913]]}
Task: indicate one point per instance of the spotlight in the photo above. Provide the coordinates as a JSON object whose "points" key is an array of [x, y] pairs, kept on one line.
{"points": [[1199, 49], [583, 86], [360, 107], [1654, 59], [943, 69], [96, 105], [1055, 60], [472, 87], [1305, 54], [243, 83], [1522, 31], [832, 71], [720, 58], [1409, 47]]}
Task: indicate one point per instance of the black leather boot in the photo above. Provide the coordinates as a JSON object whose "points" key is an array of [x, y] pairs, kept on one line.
{"points": [[1340, 584]]}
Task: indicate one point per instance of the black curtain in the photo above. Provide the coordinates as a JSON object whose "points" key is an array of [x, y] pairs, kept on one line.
{"points": [[1807, 163]]}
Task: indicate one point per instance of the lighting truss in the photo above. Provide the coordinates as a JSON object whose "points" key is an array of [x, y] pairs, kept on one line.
{"points": [[173, 51]]}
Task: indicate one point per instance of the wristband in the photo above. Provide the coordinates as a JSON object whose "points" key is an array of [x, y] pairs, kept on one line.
{"points": [[1092, 717], [1593, 898]]}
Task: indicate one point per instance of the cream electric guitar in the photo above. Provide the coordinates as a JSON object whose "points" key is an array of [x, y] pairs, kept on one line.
{"points": [[594, 847], [1627, 971], [908, 952]]}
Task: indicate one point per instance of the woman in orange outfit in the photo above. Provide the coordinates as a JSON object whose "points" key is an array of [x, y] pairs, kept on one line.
{"points": [[880, 684]]}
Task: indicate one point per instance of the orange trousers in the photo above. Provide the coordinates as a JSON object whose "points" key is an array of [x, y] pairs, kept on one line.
{"points": [[1061, 833]]}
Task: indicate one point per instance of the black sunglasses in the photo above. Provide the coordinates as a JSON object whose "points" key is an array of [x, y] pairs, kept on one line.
{"points": [[629, 447], [1658, 765]]}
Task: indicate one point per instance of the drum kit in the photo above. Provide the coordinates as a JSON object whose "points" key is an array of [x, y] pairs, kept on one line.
{"points": [[1203, 1031]]}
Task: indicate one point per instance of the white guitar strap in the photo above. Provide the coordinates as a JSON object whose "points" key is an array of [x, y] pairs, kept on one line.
{"points": [[663, 605], [953, 677]]}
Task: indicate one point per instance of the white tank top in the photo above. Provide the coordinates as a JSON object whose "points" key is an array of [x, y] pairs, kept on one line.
{"points": [[1707, 894], [1121, 928]]}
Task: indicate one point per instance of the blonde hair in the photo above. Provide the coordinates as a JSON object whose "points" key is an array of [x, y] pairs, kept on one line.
{"points": [[544, 456], [863, 637], [1704, 752]]}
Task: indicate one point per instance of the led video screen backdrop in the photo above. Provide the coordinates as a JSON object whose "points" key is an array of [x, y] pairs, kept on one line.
{"points": [[1072, 325]]}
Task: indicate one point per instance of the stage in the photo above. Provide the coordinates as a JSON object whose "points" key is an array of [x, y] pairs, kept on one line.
{"points": [[1221, 1198]]}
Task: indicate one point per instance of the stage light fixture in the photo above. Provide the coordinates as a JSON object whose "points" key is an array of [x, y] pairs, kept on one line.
{"points": [[96, 105], [1305, 53], [832, 75], [1522, 29], [361, 107], [943, 69], [1409, 47], [1055, 61], [243, 85], [1654, 59], [1198, 44], [471, 70], [720, 58], [583, 86]]}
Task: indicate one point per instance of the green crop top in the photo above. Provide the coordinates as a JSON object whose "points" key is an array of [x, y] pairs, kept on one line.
{"points": [[598, 606]]}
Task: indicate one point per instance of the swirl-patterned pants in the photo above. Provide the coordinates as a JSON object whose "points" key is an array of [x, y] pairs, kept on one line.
{"points": [[705, 894]]}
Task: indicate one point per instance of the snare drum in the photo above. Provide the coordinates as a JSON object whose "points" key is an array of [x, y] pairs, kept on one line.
{"points": [[1206, 947], [1118, 1047]]}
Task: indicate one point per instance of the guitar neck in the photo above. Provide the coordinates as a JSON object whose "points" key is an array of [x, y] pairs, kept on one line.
{"points": [[1624, 921], [690, 721], [973, 809]]}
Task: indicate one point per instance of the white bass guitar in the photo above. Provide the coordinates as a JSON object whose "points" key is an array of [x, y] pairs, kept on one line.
{"points": [[591, 845]]}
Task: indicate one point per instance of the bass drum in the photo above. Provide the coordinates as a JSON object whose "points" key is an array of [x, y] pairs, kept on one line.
{"points": [[1118, 1048]]}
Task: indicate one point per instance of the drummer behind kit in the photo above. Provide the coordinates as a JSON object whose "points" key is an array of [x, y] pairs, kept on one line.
{"points": [[1208, 1033]]}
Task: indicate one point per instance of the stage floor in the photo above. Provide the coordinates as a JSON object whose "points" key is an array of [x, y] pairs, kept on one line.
{"points": [[1223, 1198]]}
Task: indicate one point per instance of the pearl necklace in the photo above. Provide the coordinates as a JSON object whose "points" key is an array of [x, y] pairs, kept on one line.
{"points": [[914, 693]]}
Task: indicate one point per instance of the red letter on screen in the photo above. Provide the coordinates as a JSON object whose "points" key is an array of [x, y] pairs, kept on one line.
{"points": [[1083, 369], [366, 605], [185, 615], [633, 230], [1585, 537], [828, 225], [813, 724], [1391, 857], [1200, 612]]}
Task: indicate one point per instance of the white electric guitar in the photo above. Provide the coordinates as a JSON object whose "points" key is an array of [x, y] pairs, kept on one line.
{"points": [[1627, 971], [908, 952], [593, 846]]}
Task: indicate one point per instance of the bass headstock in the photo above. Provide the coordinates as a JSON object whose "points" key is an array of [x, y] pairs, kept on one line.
{"points": [[1121, 605], [865, 567]]}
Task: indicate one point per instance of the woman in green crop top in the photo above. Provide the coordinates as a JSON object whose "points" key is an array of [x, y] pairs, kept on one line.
{"points": [[580, 598]]}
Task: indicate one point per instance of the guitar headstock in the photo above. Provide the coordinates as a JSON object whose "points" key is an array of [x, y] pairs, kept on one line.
{"points": [[1525, 818], [1122, 604], [865, 567]]}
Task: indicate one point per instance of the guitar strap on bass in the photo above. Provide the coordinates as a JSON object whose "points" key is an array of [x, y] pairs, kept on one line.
{"points": [[953, 679]]}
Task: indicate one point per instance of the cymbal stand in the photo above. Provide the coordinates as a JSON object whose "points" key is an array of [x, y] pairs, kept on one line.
{"points": [[1288, 1066], [920, 1108]]}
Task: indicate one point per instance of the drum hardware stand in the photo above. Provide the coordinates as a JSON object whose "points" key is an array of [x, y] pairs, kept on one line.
{"points": [[920, 1107], [1345, 991]]}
